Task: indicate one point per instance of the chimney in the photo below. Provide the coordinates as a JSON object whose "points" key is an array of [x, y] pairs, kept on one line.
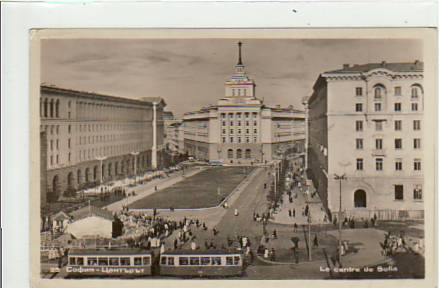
{"points": [[345, 66]]}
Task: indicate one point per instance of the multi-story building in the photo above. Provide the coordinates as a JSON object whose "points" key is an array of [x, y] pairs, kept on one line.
{"points": [[93, 138], [240, 128], [175, 134], [365, 122]]}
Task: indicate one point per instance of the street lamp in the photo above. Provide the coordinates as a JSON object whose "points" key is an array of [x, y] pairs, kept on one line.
{"points": [[339, 178]]}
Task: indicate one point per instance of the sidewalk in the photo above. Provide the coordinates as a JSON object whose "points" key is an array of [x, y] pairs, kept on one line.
{"points": [[149, 188]]}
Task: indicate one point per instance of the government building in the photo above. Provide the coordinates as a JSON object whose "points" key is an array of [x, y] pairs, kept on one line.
{"points": [[240, 128], [89, 138], [365, 122]]}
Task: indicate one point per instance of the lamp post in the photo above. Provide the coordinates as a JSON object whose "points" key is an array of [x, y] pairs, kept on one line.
{"points": [[339, 178]]}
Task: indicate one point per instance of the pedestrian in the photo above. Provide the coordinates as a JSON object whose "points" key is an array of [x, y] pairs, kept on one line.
{"points": [[316, 241], [295, 227], [266, 253]]}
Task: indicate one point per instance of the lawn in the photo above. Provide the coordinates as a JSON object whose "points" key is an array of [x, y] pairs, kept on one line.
{"points": [[198, 191]]}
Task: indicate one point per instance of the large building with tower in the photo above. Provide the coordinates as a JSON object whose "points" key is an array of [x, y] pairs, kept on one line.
{"points": [[240, 128], [91, 138], [366, 122]]}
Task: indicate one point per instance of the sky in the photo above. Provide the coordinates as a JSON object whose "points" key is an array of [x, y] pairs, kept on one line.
{"points": [[190, 73]]}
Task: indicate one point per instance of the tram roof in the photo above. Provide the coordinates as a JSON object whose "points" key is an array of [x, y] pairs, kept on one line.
{"points": [[199, 252], [102, 252]]}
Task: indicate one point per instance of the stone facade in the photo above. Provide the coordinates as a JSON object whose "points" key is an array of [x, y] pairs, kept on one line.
{"points": [[93, 138], [365, 121], [240, 128]]}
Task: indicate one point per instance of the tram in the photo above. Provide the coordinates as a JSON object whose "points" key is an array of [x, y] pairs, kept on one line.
{"points": [[109, 262], [199, 263]]}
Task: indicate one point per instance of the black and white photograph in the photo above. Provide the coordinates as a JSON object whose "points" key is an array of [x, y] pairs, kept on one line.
{"points": [[233, 157]]}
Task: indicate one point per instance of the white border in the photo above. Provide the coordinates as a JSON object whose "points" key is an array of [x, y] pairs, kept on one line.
{"points": [[19, 17]]}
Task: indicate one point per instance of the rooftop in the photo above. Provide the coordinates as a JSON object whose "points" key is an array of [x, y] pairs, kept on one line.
{"points": [[88, 211], [416, 66]]}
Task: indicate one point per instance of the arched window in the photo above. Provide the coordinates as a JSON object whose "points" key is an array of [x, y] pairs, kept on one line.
{"points": [[55, 185], [57, 108], [87, 175], [360, 199], [379, 91], [416, 90], [79, 176], [70, 181], [239, 153], [51, 108], [95, 173], [230, 153], [248, 153]]}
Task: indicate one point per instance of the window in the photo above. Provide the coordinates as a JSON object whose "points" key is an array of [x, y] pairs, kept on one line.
{"points": [[80, 261], [205, 261], [378, 125], [114, 261], [229, 260], [137, 261], [358, 107], [247, 123], [69, 143], [170, 261], [239, 139], [417, 165], [398, 143], [231, 139], [255, 131], [238, 115], [398, 164], [162, 261], [416, 124], [247, 139], [248, 153], [239, 153], [398, 125], [414, 106], [377, 106], [92, 261], [223, 115], [224, 123], [399, 192], [378, 144], [69, 129], [72, 261], [231, 123], [216, 260], [147, 260], [224, 139], [378, 92], [397, 107], [359, 143], [194, 260], [239, 131], [230, 153], [103, 262], [125, 261], [417, 192], [224, 131], [415, 92], [239, 123], [236, 260], [255, 123], [359, 125], [416, 143], [183, 261], [358, 91], [231, 131], [379, 164], [398, 91], [231, 115], [359, 164], [51, 145], [247, 131]]}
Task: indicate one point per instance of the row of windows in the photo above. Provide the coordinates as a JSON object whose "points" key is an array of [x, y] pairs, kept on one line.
{"points": [[49, 108], [239, 92], [379, 125], [240, 140], [247, 155], [378, 107], [110, 261], [379, 164], [238, 123], [247, 131], [399, 192], [379, 91], [239, 115], [203, 261], [379, 143]]}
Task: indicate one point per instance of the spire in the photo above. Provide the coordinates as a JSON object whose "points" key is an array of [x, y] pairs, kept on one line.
{"points": [[239, 59]]}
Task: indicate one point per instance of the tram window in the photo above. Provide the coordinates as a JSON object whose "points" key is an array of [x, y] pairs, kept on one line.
{"points": [[205, 260], [183, 261], [163, 261], [229, 260], [216, 260], [114, 261], [92, 261], [79, 261], [195, 261], [137, 261], [236, 260], [125, 261], [72, 261], [170, 260], [146, 260], [103, 261]]}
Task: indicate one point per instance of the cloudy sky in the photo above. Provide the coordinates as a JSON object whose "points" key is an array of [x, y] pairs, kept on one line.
{"points": [[190, 74]]}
